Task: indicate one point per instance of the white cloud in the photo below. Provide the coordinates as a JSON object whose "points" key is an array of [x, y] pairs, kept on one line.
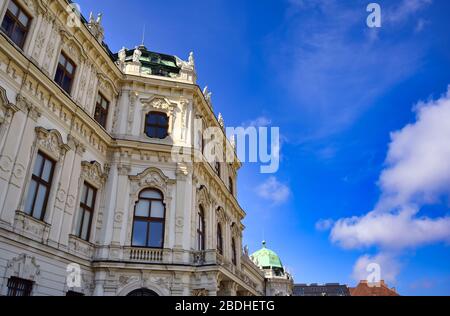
{"points": [[417, 173], [260, 121], [406, 9], [390, 230], [274, 191], [388, 265], [324, 224]]}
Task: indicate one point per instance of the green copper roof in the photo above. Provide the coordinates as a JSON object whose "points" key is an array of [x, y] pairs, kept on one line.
{"points": [[154, 63], [266, 258]]}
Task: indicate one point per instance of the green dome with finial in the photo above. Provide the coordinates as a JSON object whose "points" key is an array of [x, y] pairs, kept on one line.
{"points": [[266, 258]]}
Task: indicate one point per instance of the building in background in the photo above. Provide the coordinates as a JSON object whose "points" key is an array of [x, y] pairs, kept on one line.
{"points": [[364, 288], [328, 289], [92, 201], [278, 281]]}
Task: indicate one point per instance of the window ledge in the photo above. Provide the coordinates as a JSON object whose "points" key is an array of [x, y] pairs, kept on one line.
{"points": [[80, 247], [31, 227]]}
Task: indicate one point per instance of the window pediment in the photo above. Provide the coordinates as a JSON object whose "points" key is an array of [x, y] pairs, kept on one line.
{"points": [[51, 142], [93, 173], [158, 103], [151, 177]]}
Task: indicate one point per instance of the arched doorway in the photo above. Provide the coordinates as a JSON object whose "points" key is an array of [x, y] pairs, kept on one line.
{"points": [[142, 292]]}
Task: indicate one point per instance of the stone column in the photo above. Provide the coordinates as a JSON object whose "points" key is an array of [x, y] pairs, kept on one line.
{"points": [[62, 192], [122, 199]]}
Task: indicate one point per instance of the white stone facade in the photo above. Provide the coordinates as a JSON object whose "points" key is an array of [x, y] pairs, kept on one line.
{"points": [[119, 161]]}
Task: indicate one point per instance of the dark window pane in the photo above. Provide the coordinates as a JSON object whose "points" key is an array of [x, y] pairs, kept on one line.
{"points": [[38, 165], [72, 293], [142, 208], [85, 228], [83, 194], [18, 36], [79, 221], [23, 19], [90, 197], [47, 171], [13, 8], [40, 201], [139, 233], [69, 68], [66, 84], [156, 235], [30, 198], [62, 60], [19, 287], [59, 75], [157, 209], [7, 24], [151, 194]]}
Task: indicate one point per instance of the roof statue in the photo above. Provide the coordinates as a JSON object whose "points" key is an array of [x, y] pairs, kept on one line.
{"points": [[137, 55], [220, 120], [191, 59]]}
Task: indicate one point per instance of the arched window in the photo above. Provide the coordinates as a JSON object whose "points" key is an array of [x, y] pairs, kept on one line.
{"points": [[201, 229], [230, 185], [233, 251], [142, 292], [149, 218], [156, 125], [219, 239]]}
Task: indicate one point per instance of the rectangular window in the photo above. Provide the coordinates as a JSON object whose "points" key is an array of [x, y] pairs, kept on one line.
{"points": [[65, 73], [101, 110], [41, 182], [19, 287], [16, 24], [87, 204]]}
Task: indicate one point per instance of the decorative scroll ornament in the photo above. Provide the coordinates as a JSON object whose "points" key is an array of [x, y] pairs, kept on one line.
{"points": [[51, 141], [92, 172]]}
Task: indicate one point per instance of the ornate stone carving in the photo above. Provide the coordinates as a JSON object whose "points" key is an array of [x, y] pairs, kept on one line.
{"points": [[51, 141], [96, 28], [160, 104], [221, 215], [25, 105], [203, 196], [93, 173], [207, 94], [199, 292], [31, 227], [7, 109], [80, 247], [24, 267], [151, 177]]}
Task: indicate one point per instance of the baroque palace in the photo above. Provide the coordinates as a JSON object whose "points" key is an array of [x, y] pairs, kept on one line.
{"points": [[91, 200]]}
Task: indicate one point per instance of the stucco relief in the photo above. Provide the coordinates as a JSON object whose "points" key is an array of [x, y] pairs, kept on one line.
{"points": [[161, 104], [24, 267], [51, 142], [7, 109], [93, 173]]}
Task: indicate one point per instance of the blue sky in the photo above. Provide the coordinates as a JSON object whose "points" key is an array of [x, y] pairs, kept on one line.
{"points": [[337, 90]]}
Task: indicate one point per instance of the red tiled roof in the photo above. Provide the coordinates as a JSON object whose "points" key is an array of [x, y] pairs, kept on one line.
{"points": [[375, 289]]}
